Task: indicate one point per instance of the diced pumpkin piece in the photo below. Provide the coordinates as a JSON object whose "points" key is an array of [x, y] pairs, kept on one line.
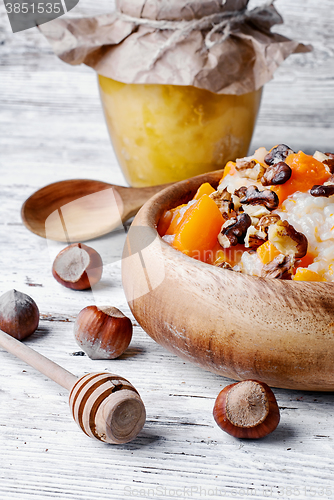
{"points": [[305, 261], [198, 231], [230, 255], [177, 217], [306, 172], [267, 252], [204, 188], [303, 274], [170, 219], [229, 169]]}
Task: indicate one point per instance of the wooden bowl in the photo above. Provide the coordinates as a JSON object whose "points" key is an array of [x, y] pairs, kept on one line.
{"points": [[277, 331]]}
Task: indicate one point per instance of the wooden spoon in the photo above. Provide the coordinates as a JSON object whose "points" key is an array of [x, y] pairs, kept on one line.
{"points": [[82, 209]]}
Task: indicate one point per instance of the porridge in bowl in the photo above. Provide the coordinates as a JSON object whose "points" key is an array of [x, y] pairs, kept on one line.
{"points": [[272, 215]]}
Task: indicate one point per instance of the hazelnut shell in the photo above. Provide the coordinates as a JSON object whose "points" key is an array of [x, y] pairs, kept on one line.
{"points": [[102, 332], [19, 314], [78, 267], [267, 411]]}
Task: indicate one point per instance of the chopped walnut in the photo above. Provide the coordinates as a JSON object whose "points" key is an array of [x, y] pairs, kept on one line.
{"points": [[256, 211], [267, 198], [225, 265], [244, 163], [281, 267], [223, 200], [268, 220], [254, 237], [329, 181], [327, 159], [236, 203], [278, 173], [287, 240], [325, 190], [241, 191], [278, 153], [229, 215], [330, 165], [222, 195], [237, 195], [234, 230], [249, 168], [318, 155]]}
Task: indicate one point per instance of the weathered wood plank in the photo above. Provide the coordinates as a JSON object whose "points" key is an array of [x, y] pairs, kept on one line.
{"points": [[52, 128]]}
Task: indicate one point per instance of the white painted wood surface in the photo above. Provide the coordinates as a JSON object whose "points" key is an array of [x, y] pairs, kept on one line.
{"points": [[52, 128]]}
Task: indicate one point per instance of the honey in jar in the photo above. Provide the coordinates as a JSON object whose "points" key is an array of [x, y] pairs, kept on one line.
{"points": [[180, 80], [165, 133]]}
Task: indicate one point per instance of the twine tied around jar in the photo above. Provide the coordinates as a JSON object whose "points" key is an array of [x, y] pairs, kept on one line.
{"points": [[219, 22], [178, 42], [185, 27]]}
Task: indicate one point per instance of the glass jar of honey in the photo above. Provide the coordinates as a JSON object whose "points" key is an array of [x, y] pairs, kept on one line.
{"points": [[180, 80], [166, 133]]}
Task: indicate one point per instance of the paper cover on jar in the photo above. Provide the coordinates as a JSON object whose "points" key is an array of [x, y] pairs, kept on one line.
{"points": [[216, 45]]}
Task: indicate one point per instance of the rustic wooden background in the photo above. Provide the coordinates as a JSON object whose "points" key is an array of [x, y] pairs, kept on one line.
{"points": [[52, 128]]}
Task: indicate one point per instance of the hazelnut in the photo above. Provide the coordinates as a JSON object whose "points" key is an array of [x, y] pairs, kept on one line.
{"points": [[247, 409], [78, 266], [102, 332], [19, 314]]}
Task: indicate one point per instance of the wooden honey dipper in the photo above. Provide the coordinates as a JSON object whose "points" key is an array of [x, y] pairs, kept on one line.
{"points": [[106, 406]]}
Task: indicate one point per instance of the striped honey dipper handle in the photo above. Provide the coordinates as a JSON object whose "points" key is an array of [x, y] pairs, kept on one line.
{"points": [[106, 406]]}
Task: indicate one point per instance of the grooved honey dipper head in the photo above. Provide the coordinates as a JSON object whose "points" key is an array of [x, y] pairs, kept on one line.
{"points": [[107, 407]]}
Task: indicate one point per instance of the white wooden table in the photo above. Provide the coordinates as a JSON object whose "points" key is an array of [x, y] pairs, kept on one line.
{"points": [[52, 128]]}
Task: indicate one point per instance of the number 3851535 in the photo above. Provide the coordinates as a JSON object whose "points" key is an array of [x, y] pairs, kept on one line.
{"points": [[40, 8]]}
